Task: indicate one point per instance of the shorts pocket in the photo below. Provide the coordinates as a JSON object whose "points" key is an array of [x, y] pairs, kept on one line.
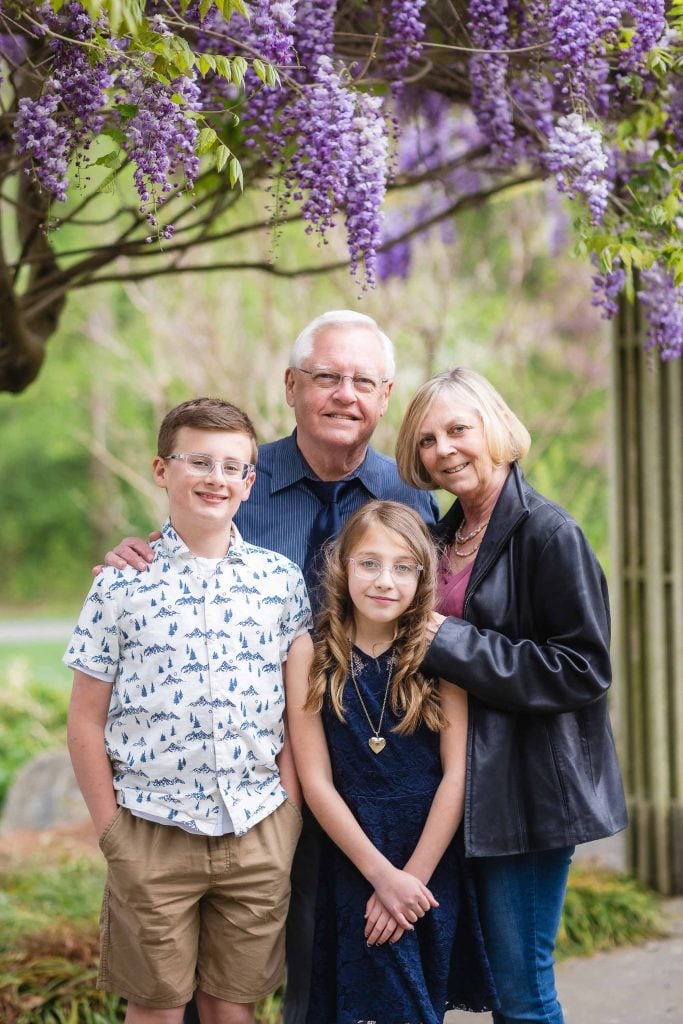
{"points": [[108, 829], [292, 806]]}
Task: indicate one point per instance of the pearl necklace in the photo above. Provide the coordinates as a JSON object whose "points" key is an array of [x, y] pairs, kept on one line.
{"points": [[459, 539]]}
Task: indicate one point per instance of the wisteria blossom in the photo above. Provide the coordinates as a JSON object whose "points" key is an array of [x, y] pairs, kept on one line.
{"points": [[578, 158], [663, 302], [607, 287], [489, 28], [367, 185], [40, 137], [303, 98]]}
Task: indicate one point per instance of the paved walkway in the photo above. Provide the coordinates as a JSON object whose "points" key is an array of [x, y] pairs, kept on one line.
{"points": [[634, 985], [19, 631]]}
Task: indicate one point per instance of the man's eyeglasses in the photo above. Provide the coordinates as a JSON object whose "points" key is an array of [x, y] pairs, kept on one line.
{"points": [[363, 383], [199, 464], [370, 568]]}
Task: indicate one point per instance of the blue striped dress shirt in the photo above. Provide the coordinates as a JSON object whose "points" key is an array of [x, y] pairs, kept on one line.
{"points": [[280, 510]]}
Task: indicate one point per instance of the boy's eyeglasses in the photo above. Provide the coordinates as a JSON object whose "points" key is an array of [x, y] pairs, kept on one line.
{"points": [[363, 383], [370, 569], [203, 465]]}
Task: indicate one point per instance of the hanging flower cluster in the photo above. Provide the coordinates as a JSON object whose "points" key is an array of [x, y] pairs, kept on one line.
{"points": [[536, 86], [663, 303], [546, 78]]}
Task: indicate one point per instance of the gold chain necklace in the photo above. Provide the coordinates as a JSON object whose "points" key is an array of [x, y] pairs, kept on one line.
{"points": [[376, 742]]}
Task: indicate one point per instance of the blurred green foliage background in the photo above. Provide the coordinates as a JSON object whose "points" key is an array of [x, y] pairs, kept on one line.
{"points": [[503, 296]]}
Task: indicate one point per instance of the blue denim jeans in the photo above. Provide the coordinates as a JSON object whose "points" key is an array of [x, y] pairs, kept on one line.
{"points": [[520, 903]]}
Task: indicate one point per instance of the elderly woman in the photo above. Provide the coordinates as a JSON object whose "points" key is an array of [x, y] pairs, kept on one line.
{"points": [[526, 634]]}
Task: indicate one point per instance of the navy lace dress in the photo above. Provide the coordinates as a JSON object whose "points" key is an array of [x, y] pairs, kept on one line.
{"points": [[441, 964]]}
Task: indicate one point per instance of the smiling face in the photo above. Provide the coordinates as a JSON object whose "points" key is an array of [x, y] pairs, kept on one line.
{"points": [[338, 421], [379, 603], [454, 452], [202, 508]]}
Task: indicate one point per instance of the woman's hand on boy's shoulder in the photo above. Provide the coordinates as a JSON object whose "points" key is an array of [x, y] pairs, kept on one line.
{"points": [[131, 551]]}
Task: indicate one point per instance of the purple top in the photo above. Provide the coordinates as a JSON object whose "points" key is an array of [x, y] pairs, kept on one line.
{"points": [[452, 587]]}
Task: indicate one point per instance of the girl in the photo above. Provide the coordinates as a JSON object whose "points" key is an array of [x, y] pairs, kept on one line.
{"points": [[381, 755]]}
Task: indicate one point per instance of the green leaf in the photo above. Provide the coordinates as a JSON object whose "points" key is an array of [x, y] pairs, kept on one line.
{"points": [[115, 134], [206, 139], [658, 214], [672, 206], [235, 172], [260, 69], [127, 110], [223, 68], [207, 62], [222, 156], [239, 67], [110, 159]]}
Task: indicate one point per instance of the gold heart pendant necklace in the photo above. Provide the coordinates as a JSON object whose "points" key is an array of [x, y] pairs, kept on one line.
{"points": [[376, 742]]}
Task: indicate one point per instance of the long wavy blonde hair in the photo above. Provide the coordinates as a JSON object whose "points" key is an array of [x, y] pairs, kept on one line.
{"points": [[414, 698]]}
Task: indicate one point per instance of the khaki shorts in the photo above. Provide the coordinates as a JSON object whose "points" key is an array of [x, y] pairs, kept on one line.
{"points": [[182, 911]]}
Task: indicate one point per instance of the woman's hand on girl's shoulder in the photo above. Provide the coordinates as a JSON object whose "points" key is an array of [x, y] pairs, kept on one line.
{"points": [[434, 624], [380, 926]]}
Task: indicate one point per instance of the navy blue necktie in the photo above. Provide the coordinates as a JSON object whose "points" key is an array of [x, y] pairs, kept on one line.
{"points": [[326, 525]]}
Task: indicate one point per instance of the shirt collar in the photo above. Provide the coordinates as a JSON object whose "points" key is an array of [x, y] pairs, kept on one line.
{"points": [[174, 546], [290, 467]]}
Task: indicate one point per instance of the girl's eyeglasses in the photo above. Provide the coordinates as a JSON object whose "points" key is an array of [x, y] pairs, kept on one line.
{"points": [[371, 568]]}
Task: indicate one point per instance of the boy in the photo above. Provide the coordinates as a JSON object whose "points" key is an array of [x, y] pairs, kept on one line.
{"points": [[177, 739]]}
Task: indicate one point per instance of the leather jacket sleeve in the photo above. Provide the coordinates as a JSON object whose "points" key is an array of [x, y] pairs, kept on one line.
{"points": [[554, 656]]}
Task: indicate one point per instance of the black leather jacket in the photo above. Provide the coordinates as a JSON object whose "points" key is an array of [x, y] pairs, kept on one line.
{"points": [[532, 651]]}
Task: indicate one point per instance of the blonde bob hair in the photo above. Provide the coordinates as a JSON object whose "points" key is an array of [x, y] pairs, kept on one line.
{"points": [[507, 438], [413, 697]]}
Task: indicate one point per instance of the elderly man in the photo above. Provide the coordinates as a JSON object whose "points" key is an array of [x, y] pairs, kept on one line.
{"points": [[340, 375]]}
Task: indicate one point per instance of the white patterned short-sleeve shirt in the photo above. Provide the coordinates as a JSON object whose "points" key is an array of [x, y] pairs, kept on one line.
{"points": [[195, 663]]}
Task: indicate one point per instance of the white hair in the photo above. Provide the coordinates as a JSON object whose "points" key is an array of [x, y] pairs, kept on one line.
{"points": [[303, 346]]}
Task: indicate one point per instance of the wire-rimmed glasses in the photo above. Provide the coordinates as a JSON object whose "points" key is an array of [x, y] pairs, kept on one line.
{"points": [[200, 464], [371, 568], [327, 379]]}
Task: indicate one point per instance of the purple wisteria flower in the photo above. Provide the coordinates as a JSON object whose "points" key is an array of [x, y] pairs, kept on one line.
{"points": [[313, 32], [39, 135], [271, 33], [160, 138], [649, 20], [404, 33], [577, 157], [489, 28], [367, 185], [318, 174], [607, 287], [663, 302]]}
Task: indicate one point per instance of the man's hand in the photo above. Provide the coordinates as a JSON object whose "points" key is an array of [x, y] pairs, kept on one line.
{"points": [[132, 551]]}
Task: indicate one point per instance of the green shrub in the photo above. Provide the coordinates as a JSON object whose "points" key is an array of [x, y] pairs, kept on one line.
{"points": [[603, 910], [35, 697]]}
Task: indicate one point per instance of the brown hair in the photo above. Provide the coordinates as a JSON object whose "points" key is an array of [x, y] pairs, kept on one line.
{"points": [[204, 414], [506, 436], [413, 696]]}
